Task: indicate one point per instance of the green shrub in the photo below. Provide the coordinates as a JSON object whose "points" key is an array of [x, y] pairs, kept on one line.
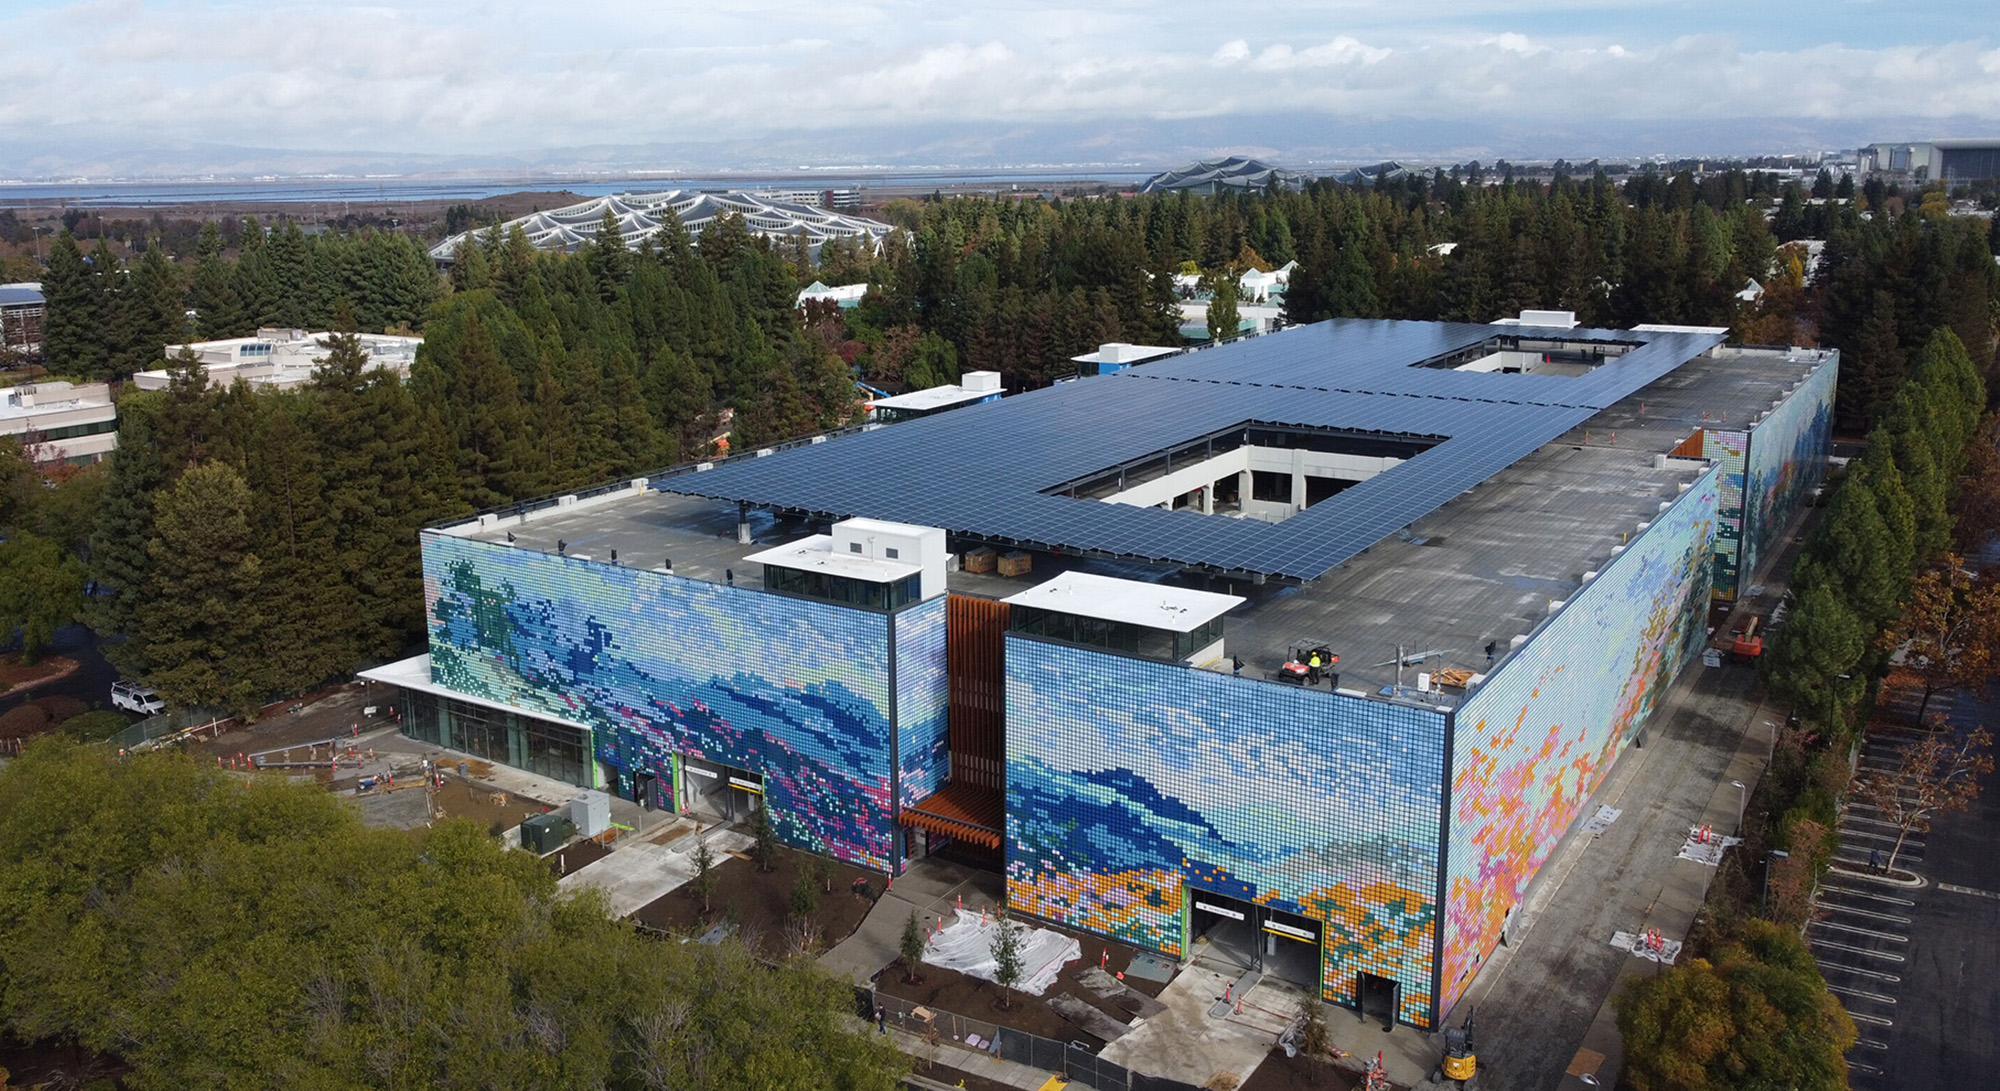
{"points": [[96, 726]]}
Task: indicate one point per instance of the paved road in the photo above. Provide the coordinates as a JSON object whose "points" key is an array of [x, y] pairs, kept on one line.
{"points": [[1917, 968], [1536, 1007]]}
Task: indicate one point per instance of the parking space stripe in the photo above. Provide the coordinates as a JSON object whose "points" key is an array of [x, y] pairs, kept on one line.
{"points": [[1869, 913], [1877, 974], [1871, 1020], [1863, 994], [1871, 835], [1892, 937], [1956, 889], [1886, 956], [1869, 894]]}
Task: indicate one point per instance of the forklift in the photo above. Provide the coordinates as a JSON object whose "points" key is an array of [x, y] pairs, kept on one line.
{"points": [[1299, 669], [1459, 1061]]}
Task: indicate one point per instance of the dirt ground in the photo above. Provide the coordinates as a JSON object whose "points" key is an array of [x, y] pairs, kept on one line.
{"points": [[14, 676], [976, 998], [957, 1077], [1282, 1073], [336, 712], [575, 856], [56, 1065], [493, 809], [759, 903]]}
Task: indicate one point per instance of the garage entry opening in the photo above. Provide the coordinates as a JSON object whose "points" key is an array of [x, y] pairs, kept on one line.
{"points": [[721, 791], [1235, 935]]}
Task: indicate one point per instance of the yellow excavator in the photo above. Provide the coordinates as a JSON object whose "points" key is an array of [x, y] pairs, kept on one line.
{"points": [[1459, 1061]]}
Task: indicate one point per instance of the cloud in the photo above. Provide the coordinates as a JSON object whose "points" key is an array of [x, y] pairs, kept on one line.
{"points": [[458, 75]]}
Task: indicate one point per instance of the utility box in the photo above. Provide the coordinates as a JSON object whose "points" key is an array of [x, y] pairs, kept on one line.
{"points": [[591, 812], [979, 559], [1016, 564], [542, 834]]}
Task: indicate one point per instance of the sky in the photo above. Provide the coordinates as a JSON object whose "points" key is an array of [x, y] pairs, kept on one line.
{"points": [[1076, 81]]}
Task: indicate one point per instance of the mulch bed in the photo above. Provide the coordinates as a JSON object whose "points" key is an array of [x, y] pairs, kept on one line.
{"points": [[1282, 1073], [759, 903], [977, 998], [959, 1077], [56, 1064], [575, 856], [14, 676]]}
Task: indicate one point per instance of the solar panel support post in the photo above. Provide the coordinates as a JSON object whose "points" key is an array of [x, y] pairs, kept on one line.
{"points": [[742, 523]]}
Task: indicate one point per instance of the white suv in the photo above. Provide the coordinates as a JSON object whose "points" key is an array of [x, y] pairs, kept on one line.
{"points": [[133, 697]]}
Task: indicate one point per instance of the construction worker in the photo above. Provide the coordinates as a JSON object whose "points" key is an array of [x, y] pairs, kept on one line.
{"points": [[1312, 670], [1236, 662]]}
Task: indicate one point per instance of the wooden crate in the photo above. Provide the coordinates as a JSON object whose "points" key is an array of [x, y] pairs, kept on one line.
{"points": [[979, 560], [1016, 564]]}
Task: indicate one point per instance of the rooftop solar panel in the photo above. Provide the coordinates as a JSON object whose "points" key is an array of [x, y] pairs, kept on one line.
{"points": [[982, 471]]}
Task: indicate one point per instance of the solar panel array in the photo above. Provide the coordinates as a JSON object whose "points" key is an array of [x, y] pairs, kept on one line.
{"points": [[980, 471]]}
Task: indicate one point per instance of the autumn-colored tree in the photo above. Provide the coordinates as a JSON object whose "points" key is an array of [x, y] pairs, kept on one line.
{"points": [[1789, 883], [1937, 774], [1754, 1014], [1948, 630], [1978, 507]]}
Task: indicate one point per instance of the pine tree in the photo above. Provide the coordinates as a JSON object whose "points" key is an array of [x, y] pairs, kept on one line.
{"points": [[203, 617], [313, 613], [218, 308], [73, 329], [155, 311], [119, 562]]}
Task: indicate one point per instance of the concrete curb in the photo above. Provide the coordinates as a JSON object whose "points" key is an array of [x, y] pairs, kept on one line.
{"points": [[1914, 882]]}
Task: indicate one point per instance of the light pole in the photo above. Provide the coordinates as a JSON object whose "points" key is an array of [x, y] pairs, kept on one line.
{"points": [[1742, 801]]}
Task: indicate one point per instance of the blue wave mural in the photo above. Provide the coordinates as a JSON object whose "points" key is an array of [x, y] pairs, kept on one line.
{"points": [[660, 665], [1131, 781]]}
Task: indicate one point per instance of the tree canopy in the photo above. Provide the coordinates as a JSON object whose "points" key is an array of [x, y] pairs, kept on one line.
{"points": [[223, 932]]}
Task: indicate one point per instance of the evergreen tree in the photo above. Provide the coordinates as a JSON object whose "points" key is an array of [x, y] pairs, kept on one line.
{"points": [[73, 341], [119, 561], [156, 314], [218, 309], [1223, 319], [203, 617]]}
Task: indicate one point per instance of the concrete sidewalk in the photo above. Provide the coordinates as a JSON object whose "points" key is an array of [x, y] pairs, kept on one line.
{"points": [[643, 868], [930, 889]]}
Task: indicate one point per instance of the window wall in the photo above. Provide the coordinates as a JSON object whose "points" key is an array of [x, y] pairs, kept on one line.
{"points": [[553, 750]]}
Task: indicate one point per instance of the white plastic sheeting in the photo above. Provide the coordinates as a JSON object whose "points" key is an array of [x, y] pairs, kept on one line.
{"points": [[966, 945]]}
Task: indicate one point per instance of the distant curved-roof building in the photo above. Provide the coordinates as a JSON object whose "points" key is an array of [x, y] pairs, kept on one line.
{"points": [[1224, 175], [640, 215]]}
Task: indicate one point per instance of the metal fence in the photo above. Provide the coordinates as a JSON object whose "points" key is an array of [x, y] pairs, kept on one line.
{"points": [[1079, 1062], [161, 726]]}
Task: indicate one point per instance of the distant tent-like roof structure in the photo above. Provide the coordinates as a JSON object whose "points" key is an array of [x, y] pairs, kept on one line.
{"points": [[1223, 175], [641, 215]]}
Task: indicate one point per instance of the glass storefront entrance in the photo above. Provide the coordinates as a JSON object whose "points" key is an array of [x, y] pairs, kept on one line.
{"points": [[557, 751]]}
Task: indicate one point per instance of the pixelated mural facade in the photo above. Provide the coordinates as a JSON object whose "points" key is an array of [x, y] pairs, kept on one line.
{"points": [[1787, 461], [661, 665], [1730, 452], [1129, 781], [1539, 735], [923, 701]]}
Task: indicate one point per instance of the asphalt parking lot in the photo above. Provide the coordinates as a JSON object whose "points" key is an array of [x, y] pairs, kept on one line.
{"points": [[1917, 966]]}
